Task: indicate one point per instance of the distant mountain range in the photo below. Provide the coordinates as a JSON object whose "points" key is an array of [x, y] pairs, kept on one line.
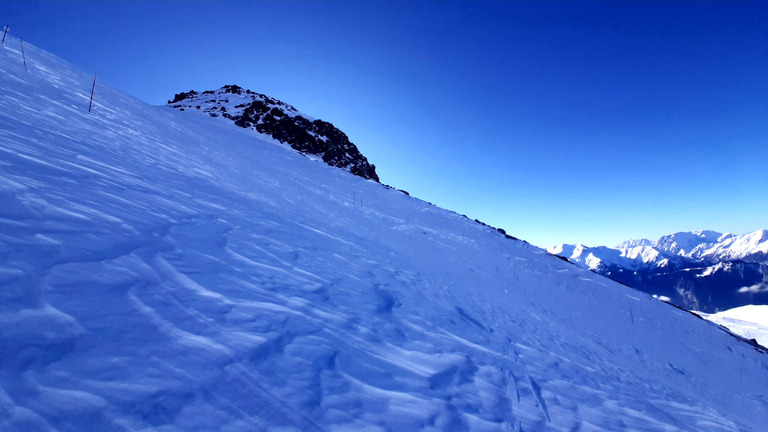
{"points": [[700, 270], [282, 122]]}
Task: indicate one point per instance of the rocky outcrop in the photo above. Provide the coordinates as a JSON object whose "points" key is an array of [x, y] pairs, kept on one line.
{"points": [[282, 122]]}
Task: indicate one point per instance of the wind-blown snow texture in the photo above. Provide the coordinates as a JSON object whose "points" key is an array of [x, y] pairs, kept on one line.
{"points": [[700, 270], [164, 270]]}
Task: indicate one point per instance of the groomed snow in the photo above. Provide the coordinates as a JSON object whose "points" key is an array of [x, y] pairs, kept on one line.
{"points": [[165, 271]]}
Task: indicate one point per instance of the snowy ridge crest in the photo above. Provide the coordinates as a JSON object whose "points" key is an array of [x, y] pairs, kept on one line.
{"points": [[282, 122], [598, 258], [678, 248]]}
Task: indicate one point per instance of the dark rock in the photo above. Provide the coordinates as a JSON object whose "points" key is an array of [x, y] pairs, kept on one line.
{"points": [[234, 89], [183, 95], [281, 121], [562, 258]]}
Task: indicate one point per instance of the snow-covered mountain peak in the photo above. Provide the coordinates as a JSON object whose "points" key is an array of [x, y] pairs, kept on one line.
{"points": [[646, 255], [633, 255], [705, 245], [583, 254], [751, 247], [566, 250], [706, 270], [280, 121], [231, 101], [683, 243], [627, 244]]}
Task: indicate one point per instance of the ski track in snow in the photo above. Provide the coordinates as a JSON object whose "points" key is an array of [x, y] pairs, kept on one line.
{"points": [[167, 271]]}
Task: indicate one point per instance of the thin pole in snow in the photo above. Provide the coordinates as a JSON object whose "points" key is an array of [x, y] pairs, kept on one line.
{"points": [[92, 89], [4, 33], [22, 54]]}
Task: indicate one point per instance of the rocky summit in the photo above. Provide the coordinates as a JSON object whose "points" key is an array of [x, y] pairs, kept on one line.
{"points": [[282, 122]]}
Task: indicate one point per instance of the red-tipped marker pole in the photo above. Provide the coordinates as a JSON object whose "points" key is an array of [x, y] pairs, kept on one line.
{"points": [[92, 89]]}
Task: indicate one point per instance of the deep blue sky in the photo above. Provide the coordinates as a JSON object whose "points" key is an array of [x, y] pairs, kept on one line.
{"points": [[587, 122]]}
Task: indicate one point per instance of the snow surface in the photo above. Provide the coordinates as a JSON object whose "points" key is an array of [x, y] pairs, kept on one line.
{"points": [[749, 321], [165, 271]]}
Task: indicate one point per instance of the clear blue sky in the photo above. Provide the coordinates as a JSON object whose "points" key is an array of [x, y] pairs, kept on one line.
{"points": [[587, 122]]}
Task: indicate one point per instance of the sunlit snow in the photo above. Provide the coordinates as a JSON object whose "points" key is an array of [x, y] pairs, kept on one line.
{"points": [[166, 271], [749, 321]]}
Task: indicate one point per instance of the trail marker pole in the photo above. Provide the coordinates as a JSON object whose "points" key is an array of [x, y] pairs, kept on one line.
{"points": [[22, 54], [92, 89], [4, 33]]}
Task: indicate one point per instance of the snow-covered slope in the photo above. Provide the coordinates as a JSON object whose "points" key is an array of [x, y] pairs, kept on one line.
{"points": [[165, 270], [749, 321], [699, 270]]}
